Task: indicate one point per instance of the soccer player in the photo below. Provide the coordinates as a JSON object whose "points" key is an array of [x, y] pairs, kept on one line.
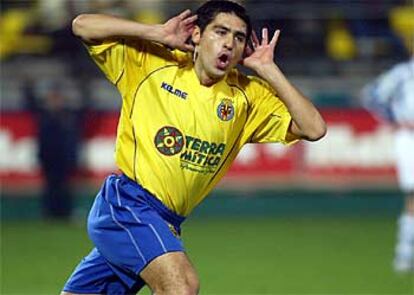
{"points": [[186, 113], [391, 97]]}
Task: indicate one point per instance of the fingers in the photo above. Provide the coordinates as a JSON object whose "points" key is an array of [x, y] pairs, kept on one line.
{"points": [[255, 40], [189, 31], [265, 36], [184, 14], [275, 37], [190, 20]]}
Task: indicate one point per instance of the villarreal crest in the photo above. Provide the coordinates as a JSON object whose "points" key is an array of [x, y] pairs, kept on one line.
{"points": [[225, 110]]}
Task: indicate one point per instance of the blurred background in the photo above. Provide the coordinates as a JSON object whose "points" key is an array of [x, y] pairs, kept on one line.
{"points": [[314, 218]]}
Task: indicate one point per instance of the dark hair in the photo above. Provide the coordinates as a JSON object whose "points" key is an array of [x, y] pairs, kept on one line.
{"points": [[209, 10]]}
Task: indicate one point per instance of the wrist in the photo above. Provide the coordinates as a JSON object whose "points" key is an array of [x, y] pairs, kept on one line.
{"points": [[267, 71], [156, 33]]}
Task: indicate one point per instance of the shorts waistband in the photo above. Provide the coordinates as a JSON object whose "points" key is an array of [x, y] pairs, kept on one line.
{"points": [[165, 212]]}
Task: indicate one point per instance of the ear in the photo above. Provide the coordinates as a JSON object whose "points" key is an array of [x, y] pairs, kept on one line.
{"points": [[196, 35]]}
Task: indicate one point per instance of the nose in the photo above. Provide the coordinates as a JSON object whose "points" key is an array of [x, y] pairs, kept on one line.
{"points": [[229, 42]]}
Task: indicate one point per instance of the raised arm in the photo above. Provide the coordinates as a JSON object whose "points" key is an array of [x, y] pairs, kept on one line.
{"points": [[95, 28], [307, 121]]}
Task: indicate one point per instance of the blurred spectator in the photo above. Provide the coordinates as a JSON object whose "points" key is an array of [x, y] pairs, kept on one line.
{"points": [[59, 128], [15, 25], [391, 97], [151, 12], [401, 19], [54, 14], [340, 43]]}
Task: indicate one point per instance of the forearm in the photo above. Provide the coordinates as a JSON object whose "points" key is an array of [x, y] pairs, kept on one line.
{"points": [[98, 27], [307, 121]]}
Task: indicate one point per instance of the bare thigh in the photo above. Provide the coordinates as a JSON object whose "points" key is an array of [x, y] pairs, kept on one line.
{"points": [[171, 273]]}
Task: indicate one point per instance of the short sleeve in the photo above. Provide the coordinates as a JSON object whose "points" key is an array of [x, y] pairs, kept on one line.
{"points": [[110, 58], [135, 56], [269, 119]]}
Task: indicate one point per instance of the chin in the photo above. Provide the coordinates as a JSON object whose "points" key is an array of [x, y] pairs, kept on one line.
{"points": [[218, 74]]}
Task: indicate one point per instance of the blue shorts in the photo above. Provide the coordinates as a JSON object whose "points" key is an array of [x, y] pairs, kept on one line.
{"points": [[129, 228]]}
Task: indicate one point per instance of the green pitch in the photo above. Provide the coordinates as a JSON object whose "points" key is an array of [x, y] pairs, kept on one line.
{"points": [[284, 255]]}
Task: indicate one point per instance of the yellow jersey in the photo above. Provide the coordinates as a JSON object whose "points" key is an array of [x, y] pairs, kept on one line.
{"points": [[176, 137]]}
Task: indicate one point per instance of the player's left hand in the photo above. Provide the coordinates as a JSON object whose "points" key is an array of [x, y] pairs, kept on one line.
{"points": [[262, 53]]}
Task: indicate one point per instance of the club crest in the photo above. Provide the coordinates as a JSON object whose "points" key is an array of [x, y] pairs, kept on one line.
{"points": [[225, 110]]}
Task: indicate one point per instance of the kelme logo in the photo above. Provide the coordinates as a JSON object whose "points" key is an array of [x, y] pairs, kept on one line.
{"points": [[225, 110], [169, 141], [175, 91]]}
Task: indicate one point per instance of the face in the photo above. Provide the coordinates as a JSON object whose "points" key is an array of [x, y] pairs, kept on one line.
{"points": [[220, 47]]}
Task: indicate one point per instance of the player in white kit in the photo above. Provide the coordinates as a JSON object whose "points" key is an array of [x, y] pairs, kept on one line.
{"points": [[391, 97]]}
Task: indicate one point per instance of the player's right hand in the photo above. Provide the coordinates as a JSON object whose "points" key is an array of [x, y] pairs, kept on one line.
{"points": [[177, 30]]}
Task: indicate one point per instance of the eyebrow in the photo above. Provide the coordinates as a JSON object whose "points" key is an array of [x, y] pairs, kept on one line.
{"points": [[238, 33]]}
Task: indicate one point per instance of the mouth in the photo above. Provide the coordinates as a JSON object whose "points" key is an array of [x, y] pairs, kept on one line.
{"points": [[223, 61]]}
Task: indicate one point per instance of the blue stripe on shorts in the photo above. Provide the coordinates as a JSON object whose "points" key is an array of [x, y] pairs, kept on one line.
{"points": [[129, 228]]}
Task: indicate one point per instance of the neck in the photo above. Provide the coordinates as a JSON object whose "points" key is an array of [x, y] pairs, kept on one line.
{"points": [[202, 76]]}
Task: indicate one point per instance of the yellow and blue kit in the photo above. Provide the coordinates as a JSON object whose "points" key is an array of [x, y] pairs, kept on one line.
{"points": [[176, 137], [175, 140]]}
